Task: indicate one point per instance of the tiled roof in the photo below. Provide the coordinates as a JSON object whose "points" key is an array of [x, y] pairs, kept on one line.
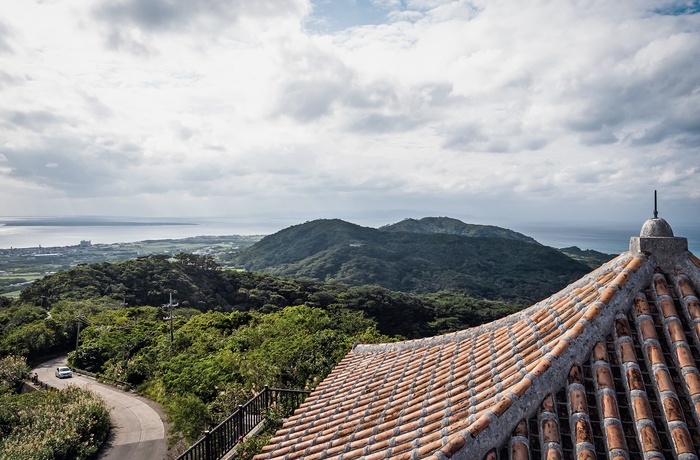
{"points": [[606, 368]]}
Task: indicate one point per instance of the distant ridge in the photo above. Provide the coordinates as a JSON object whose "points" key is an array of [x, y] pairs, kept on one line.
{"points": [[450, 226], [593, 259], [429, 257]]}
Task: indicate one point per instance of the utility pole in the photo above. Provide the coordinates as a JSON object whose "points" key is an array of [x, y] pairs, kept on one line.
{"points": [[81, 319], [170, 306], [171, 323], [77, 336]]}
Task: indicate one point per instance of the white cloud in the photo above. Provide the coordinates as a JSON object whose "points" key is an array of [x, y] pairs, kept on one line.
{"points": [[186, 107]]}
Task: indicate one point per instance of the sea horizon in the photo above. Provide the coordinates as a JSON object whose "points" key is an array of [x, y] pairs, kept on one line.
{"points": [[62, 231]]}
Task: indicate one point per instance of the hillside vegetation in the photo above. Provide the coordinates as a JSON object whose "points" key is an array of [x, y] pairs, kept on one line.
{"points": [[198, 283], [234, 332], [418, 257], [32, 427], [450, 226]]}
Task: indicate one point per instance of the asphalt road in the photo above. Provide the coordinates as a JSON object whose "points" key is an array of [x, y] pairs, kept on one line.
{"points": [[138, 432]]}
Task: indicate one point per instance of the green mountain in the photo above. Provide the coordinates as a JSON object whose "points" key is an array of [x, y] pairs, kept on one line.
{"points": [[483, 267], [593, 259], [452, 226]]}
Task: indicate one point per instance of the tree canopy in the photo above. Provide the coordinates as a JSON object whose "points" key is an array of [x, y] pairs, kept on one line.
{"points": [[233, 331]]}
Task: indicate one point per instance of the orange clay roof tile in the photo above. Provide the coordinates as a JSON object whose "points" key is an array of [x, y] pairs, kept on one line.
{"points": [[520, 452], [693, 307], [615, 354], [686, 287]]}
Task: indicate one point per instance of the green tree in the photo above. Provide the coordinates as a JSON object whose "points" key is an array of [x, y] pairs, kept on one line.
{"points": [[13, 371]]}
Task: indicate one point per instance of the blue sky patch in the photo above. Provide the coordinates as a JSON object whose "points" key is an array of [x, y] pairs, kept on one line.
{"points": [[680, 8], [335, 15]]}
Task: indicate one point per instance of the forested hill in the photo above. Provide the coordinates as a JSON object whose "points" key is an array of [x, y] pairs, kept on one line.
{"points": [[452, 226], [198, 283], [482, 267]]}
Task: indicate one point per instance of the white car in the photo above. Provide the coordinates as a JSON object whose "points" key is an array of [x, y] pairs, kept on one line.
{"points": [[63, 372]]}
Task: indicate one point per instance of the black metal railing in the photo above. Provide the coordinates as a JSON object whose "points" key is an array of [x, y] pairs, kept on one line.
{"points": [[220, 440]]}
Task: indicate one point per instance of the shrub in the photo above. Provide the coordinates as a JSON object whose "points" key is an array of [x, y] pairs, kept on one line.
{"points": [[251, 446], [13, 371], [57, 425]]}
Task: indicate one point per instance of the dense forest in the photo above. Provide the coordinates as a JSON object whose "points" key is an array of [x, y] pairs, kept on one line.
{"points": [[435, 254], [234, 331]]}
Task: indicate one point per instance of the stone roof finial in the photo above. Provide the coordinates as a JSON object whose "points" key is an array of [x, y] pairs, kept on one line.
{"points": [[656, 227], [656, 237]]}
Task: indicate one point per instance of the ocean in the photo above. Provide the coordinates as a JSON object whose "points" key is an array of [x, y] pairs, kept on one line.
{"points": [[604, 238], [27, 232]]}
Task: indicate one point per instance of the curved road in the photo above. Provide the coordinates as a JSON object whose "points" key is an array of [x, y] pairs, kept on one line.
{"points": [[137, 428]]}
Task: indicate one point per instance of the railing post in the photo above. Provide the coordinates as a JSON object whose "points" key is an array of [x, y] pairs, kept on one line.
{"points": [[207, 445], [266, 398], [242, 429]]}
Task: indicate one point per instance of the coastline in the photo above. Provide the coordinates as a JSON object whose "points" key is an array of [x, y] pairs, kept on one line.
{"points": [[33, 232]]}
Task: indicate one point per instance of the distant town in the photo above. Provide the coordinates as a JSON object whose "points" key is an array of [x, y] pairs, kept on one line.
{"points": [[22, 266]]}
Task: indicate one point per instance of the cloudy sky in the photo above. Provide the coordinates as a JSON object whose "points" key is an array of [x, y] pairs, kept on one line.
{"points": [[486, 110]]}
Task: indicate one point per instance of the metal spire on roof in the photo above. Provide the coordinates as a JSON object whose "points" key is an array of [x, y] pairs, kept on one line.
{"points": [[656, 212]]}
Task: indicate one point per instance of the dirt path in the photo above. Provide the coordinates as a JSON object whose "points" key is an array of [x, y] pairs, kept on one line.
{"points": [[138, 432]]}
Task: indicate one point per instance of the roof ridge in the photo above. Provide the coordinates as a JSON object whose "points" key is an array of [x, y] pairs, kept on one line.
{"points": [[496, 324]]}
